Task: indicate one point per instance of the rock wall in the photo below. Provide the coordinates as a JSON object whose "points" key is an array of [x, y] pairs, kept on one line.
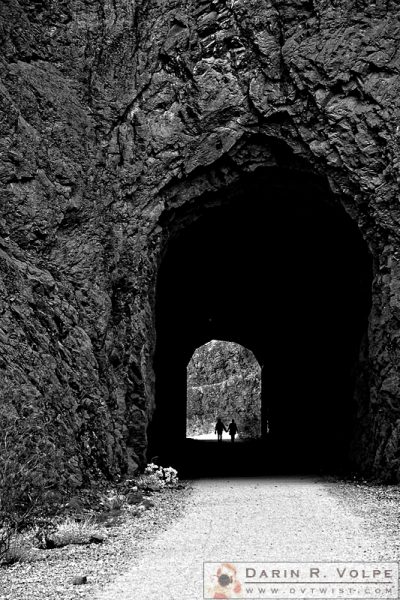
{"points": [[116, 114], [223, 380]]}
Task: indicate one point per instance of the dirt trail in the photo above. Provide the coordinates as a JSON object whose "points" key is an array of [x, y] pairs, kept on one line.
{"points": [[263, 519]]}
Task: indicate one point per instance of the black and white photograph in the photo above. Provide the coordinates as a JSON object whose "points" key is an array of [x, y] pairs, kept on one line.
{"points": [[199, 299]]}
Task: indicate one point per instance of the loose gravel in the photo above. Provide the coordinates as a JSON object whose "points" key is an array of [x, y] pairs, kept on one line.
{"points": [[159, 556], [253, 520], [50, 574]]}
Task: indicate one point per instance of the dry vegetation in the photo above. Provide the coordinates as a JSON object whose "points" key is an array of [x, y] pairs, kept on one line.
{"points": [[51, 541], [55, 573]]}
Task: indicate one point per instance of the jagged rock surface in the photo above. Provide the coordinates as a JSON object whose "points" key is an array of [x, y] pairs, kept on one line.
{"points": [[224, 380], [114, 114]]}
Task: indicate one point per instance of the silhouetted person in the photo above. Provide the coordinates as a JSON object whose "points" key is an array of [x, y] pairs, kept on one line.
{"points": [[232, 430], [219, 428]]}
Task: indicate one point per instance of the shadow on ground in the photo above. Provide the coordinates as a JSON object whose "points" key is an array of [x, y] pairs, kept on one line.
{"points": [[204, 458]]}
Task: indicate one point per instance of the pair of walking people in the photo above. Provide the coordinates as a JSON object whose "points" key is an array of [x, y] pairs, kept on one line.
{"points": [[220, 427]]}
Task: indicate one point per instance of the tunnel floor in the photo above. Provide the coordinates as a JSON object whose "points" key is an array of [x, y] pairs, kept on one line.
{"points": [[245, 458], [284, 519]]}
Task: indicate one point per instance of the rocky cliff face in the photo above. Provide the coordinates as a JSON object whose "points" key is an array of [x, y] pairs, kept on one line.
{"points": [[117, 114], [223, 380]]}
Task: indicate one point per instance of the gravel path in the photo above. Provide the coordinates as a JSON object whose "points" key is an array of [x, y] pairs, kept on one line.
{"points": [[49, 574], [270, 519]]}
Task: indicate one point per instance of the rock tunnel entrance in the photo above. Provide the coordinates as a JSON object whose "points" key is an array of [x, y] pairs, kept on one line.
{"points": [[279, 267]]}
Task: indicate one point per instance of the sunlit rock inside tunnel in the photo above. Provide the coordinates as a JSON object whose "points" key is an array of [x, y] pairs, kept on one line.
{"points": [[280, 268], [223, 382]]}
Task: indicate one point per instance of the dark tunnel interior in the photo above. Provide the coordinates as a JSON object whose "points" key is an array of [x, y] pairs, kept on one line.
{"points": [[278, 266]]}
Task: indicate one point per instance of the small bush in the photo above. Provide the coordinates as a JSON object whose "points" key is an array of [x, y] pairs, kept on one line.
{"points": [[19, 550], [29, 472], [150, 482], [70, 532], [113, 501], [166, 475]]}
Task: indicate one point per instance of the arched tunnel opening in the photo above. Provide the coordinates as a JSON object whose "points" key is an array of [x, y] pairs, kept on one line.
{"points": [[278, 266], [223, 384]]}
